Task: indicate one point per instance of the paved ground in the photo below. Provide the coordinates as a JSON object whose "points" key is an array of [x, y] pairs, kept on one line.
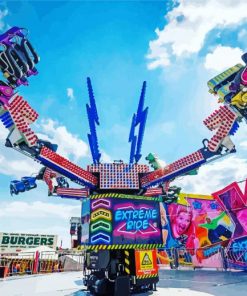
{"points": [[172, 283], [201, 283]]}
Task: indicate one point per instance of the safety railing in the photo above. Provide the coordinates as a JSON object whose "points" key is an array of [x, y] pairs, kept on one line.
{"points": [[236, 257], [26, 263], [213, 257], [17, 264], [173, 258]]}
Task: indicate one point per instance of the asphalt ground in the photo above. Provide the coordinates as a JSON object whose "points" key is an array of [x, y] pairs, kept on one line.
{"points": [[172, 283]]}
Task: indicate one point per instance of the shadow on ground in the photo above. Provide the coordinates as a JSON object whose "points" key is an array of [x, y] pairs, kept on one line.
{"points": [[198, 282]]}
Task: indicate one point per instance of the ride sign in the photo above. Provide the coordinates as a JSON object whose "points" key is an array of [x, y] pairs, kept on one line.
{"points": [[124, 220], [136, 219]]}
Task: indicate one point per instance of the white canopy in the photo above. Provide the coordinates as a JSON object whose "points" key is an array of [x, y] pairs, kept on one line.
{"points": [[45, 253]]}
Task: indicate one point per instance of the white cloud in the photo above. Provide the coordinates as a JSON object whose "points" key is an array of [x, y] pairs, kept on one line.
{"points": [[217, 59], [105, 158], [244, 145], [12, 163], [15, 164], [161, 129], [242, 34], [3, 14], [213, 177], [160, 56], [37, 209], [49, 218], [70, 93], [188, 25], [167, 128], [69, 145], [218, 174], [3, 133], [54, 218], [60, 229]]}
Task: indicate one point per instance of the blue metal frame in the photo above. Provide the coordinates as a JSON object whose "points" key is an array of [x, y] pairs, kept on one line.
{"points": [[140, 119], [93, 119]]}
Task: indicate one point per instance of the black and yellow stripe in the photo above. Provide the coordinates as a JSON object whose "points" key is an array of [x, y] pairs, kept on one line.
{"points": [[127, 261], [124, 247], [146, 276], [127, 196]]}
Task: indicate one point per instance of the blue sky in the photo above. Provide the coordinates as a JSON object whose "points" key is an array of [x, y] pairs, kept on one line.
{"points": [[176, 46]]}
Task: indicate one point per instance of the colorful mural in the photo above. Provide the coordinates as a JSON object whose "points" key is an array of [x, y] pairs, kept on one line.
{"points": [[234, 202], [208, 231]]}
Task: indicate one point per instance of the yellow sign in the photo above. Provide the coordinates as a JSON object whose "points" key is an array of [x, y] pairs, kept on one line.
{"points": [[146, 262]]}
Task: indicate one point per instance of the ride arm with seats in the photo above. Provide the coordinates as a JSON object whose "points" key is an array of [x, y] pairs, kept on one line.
{"points": [[230, 87], [17, 115], [17, 60]]}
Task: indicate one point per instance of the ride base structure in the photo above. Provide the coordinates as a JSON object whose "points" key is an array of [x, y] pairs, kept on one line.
{"points": [[121, 202]]}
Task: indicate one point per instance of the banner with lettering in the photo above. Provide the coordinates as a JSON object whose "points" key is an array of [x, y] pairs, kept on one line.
{"points": [[121, 221], [15, 242]]}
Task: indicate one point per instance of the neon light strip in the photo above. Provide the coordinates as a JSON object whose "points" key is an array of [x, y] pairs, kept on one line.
{"points": [[100, 237], [101, 203], [101, 214], [101, 225]]}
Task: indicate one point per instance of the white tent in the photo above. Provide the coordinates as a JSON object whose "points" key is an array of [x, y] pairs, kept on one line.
{"points": [[72, 262], [44, 251]]}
